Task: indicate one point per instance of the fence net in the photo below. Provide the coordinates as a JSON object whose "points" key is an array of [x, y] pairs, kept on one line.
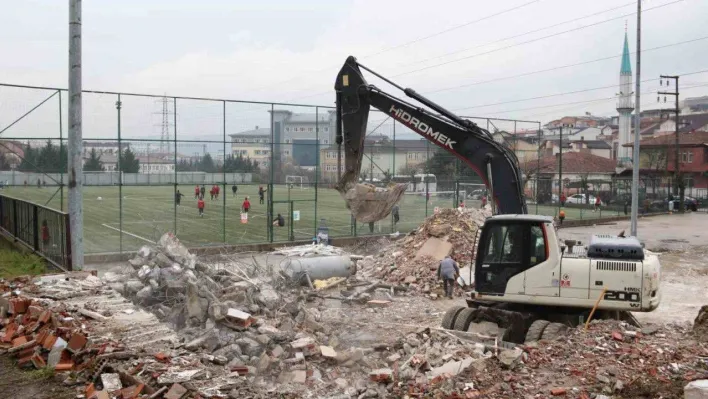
{"points": [[150, 162]]}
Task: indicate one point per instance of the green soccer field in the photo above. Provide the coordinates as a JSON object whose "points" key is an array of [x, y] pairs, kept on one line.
{"points": [[149, 211]]}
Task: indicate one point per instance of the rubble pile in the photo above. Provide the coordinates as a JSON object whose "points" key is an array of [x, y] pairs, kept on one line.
{"points": [[611, 359], [169, 280], [43, 327], [414, 259]]}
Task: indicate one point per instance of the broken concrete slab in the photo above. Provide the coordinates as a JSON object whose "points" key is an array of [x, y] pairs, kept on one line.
{"points": [[173, 376], [328, 352], [111, 382], [697, 389], [434, 248], [510, 357]]}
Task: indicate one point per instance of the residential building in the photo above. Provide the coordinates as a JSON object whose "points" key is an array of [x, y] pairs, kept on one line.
{"points": [[693, 105], [595, 147], [254, 144], [295, 137], [687, 124], [148, 164], [380, 155], [658, 155], [578, 121], [577, 166], [103, 147]]}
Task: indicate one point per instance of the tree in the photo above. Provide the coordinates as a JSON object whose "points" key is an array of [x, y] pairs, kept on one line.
{"points": [[128, 162], [233, 164], [4, 163], [184, 166], [94, 164], [206, 164], [29, 161], [584, 187]]}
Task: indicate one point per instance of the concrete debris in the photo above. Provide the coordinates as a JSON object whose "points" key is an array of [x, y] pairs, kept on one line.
{"points": [[696, 390], [111, 382], [413, 260], [310, 250]]}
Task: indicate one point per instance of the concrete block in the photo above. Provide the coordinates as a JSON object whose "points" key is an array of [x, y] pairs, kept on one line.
{"points": [[697, 389]]}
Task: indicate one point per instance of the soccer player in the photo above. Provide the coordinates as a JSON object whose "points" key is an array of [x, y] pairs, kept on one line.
{"points": [[246, 205], [200, 206], [217, 188], [234, 189], [261, 194], [178, 197], [212, 192], [196, 191]]}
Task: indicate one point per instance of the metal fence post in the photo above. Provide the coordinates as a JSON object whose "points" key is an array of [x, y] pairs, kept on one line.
{"points": [[61, 150], [67, 231], [269, 217], [120, 178], [317, 162], [223, 175], [14, 218], [35, 229], [174, 116]]}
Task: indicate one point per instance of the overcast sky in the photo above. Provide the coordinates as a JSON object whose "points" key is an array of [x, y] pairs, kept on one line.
{"points": [[289, 51]]}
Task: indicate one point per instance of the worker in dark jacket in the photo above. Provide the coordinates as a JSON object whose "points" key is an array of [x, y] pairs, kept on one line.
{"points": [[448, 271]]}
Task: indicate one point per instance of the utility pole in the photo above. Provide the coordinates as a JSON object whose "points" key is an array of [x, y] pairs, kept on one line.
{"points": [[678, 186], [637, 120], [560, 165], [75, 150], [560, 171]]}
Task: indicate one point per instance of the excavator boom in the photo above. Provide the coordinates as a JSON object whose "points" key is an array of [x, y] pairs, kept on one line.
{"points": [[494, 163]]}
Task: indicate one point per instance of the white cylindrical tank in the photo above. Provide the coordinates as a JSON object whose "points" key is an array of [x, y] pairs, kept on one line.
{"points": [[318, 268]]}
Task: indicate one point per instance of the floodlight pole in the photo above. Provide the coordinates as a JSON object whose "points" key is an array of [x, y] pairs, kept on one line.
{"points": [[75, 146]]}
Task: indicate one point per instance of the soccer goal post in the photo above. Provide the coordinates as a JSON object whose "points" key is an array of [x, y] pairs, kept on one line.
{"points": [[296, 181]]}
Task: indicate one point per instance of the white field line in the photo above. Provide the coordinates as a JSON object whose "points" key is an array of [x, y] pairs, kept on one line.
{"points": [[130, 234]]}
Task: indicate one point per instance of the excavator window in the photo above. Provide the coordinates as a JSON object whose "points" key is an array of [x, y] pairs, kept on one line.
{"points": [[538, 245], [504, 244]]}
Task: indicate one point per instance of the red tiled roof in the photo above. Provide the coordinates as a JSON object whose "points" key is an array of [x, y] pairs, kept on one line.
{"points": [[575, 162], [696, 139]]}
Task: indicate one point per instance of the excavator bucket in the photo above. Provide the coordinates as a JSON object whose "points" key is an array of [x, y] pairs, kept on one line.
{"points": [[369, 203]]}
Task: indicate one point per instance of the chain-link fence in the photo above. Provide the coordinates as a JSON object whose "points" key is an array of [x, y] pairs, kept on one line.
{"points": [[150, 161]]}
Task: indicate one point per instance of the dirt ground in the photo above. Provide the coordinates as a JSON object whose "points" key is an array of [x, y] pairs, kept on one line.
{"points": [[682, 241], [18, 384]]}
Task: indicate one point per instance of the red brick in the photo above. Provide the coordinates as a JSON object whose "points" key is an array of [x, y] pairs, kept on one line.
{"points": [[175, 392], [25, 361], [19, 341], [10, 331], [100, 395], [35, 311], [77, 342], [64, 366], [90, 389], [45, 316], [161, 357], [38, 361], [131, 392], [49, 341], [558, 391], [617, 336]]}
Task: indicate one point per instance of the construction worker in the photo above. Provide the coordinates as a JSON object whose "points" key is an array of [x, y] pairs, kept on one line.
{"points": [[449, 271], [561, 216]]}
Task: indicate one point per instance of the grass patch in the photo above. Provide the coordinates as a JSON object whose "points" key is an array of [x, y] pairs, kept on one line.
{"points": [[41, 374], [14, 263]]}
